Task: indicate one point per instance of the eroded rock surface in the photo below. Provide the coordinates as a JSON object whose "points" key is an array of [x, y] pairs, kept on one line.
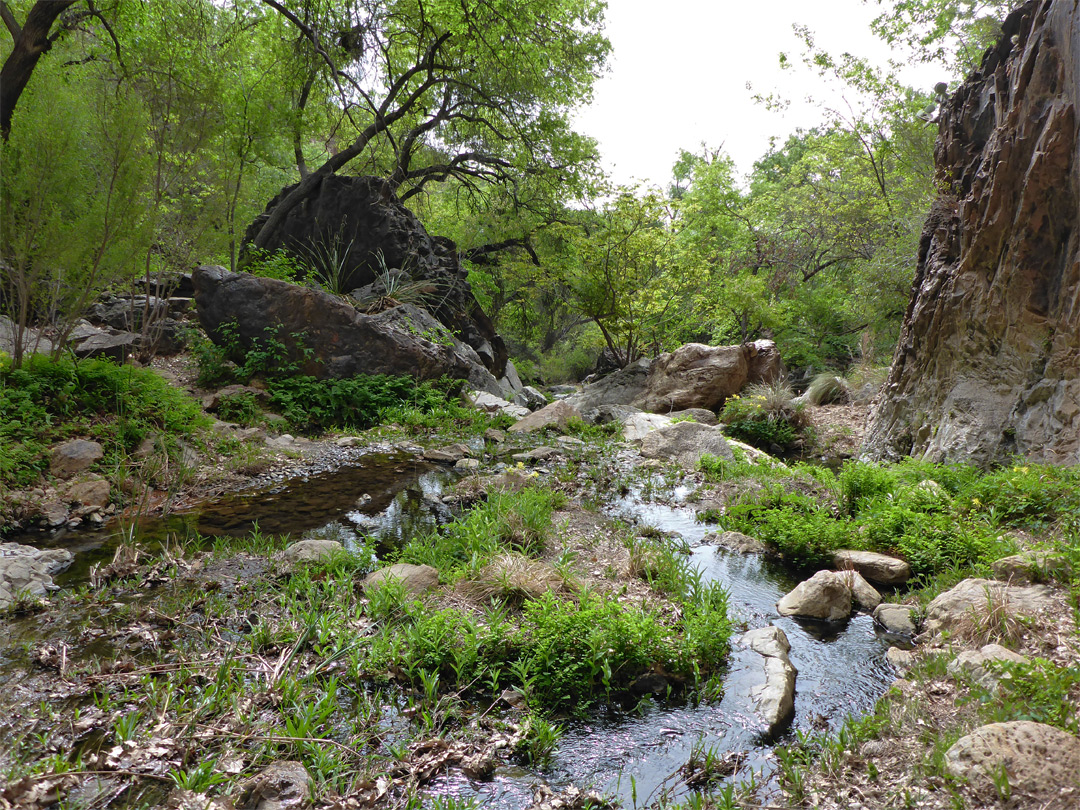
{"points": [[1042, 762], [988, 362], [416, 579], [361, 220], [776, 697], [25, 570], [327, 338]]}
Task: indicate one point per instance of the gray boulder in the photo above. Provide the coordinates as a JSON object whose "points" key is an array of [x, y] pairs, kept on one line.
{"points": [[826, 595], [1031, 567], [736, 541], [775, 698], [970, 601], [557, 416], [685, 443], [896, 619], [284, 785], [73, 457], [976, 664], [875, 567], [313, 550], [1042, 763], [28, 570]]}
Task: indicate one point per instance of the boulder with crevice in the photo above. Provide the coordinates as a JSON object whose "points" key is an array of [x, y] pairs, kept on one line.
{"points": [[825, 596], [360, 222]]}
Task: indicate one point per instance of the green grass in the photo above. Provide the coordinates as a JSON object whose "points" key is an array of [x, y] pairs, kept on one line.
{"points": [[47, 401]]}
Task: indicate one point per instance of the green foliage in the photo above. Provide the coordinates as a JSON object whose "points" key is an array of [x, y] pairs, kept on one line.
{"points": [[280, 265], [1038, 690], [801, 530], [1029, 495], [505, 521], [359, 402], [766, 417], [48, 400]]}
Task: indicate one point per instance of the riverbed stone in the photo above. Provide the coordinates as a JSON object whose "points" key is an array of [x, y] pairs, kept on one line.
{"points": [[880, 568], [638, 425], [776, 697], [826, 595], [1042, 762], [467, 464], [92, 492], [542, 453], [1031, 567], [736, 541], [28, 570], [312, 550], [449, 454], [896, 619], [901, 660], [557, 416], [491, 403], [284, 785], [685, 443], [970, 600], [417, 579], [73, 457], [977, 663], [862, 592]]}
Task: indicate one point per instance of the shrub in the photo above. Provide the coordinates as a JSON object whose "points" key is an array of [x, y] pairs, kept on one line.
{"points": [[48, 400], [767, 416], [827, 389], [860, 483]]}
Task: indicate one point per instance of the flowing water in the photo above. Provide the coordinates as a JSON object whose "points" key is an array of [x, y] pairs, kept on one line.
{"points": [[631, 755]]}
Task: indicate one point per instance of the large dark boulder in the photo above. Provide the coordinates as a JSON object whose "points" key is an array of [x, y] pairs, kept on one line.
{"points": [[360, 219], [326, 337], [988, 363]]}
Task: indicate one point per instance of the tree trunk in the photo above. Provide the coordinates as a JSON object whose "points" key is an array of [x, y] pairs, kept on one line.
{"points": [[30, 43]]}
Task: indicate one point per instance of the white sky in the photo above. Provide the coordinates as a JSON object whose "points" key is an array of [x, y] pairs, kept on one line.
{"points": [[679, 70]]}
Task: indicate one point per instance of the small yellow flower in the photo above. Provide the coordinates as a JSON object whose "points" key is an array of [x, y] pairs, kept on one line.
{"points": [[976, 502]]}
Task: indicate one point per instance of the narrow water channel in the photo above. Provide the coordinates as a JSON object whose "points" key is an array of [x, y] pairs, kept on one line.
{"points": [[842, 670]]}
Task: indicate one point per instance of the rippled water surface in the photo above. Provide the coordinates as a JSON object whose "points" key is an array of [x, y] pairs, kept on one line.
{"points": [[632, 755]]}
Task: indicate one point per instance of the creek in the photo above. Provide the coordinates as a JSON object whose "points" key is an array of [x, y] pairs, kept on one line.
{"points": [[632, 755]]}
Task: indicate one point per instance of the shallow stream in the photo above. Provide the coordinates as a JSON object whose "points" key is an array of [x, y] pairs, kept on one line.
{"points": [[632, 756]]}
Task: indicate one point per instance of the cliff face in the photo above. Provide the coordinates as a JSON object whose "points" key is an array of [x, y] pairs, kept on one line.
{"points": [[988, 363]]}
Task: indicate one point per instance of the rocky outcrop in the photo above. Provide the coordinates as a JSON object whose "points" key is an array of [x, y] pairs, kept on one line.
{"points": [[73, 457], [685, 443], [1032, 567], [326, 337], [776, 697], [358, 222], [988, 362], [25, 570], [692, 376], [970, 602], [1041, 763], [977, 664]]}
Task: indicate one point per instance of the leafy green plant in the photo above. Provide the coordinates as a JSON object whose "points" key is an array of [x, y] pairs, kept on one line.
{"points": [[767, 417]]}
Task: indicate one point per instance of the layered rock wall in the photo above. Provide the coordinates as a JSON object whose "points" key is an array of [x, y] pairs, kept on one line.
{"points": [[988, 363]]}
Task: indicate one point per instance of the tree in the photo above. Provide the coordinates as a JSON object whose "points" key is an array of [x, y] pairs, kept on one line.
{"points": [[31, 41], [438, 90]]}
